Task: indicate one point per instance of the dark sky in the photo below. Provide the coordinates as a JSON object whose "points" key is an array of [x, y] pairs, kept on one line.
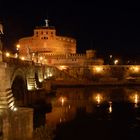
{"points": [[108, 30]]}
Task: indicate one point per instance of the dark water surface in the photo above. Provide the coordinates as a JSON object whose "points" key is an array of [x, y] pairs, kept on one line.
{"points": [[99, 113]]}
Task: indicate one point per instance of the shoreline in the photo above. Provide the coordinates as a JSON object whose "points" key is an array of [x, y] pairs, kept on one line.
{"points": [[88, 83]]}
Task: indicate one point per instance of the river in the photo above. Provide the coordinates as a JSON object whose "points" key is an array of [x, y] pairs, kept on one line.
{"points": [[98, 113]]}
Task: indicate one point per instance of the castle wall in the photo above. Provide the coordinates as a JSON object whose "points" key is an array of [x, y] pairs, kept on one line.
{"points": [[45, 40]]}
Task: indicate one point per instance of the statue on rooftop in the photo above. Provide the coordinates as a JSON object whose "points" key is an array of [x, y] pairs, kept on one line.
{"points": [[47, 22]]}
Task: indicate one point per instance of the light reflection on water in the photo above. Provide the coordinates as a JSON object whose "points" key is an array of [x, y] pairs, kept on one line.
{"points": [[120, 105]]}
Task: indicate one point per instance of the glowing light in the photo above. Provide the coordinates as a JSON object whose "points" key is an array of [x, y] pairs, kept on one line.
{"points": [[22, 58], [116, 61], [98, 69], [110, 107], [11, 105], [110, 56], [134, 68], [49, 74], [41, 58], [16, 55], [62, 67], [30, 87], [7, 54], [33, 54], [18, 46], [135, 99], [40, 80], [98, 98], [15, 109], [62, 100]]}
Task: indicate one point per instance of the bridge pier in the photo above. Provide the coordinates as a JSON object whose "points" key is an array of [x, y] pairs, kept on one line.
{"points": [[6, 99], [6, 96], [16, 125]]}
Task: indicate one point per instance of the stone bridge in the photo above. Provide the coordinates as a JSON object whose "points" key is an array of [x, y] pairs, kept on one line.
{"points": [[18, 77]]}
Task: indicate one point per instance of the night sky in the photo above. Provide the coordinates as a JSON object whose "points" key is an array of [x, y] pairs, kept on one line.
{"points": [[108, 30]]}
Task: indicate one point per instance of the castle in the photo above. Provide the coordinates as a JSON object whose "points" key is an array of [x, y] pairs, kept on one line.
{"points": [[60, 51]]}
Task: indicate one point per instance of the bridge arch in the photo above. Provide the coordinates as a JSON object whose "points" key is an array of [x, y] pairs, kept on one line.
{"points": [[19, 87]]}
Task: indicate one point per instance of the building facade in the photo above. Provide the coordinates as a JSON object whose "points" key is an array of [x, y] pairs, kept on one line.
{"points": [[45, 40], [48, 48]]}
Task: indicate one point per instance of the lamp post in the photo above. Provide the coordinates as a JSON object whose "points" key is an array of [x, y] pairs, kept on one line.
{"points": [[116, 61], [17, 48]]}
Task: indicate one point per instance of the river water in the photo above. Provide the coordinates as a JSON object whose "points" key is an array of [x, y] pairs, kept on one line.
{"points": [[94, 113]]}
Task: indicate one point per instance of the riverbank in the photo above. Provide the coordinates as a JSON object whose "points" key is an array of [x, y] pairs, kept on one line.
{"points": [[70, 83]]}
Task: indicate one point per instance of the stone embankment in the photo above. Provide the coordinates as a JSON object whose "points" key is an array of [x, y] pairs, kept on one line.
{"points": [[51, 84]]}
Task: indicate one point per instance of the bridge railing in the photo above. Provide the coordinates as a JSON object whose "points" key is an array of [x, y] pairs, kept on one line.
{"points": [[17, 61]]}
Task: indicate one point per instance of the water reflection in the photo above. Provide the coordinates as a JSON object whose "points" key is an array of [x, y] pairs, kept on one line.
{"points": [[110, 107], [134, 98], [95, 106], [98, 98]]}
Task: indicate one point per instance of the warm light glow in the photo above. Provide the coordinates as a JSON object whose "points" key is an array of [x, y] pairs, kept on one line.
{"points": [[41, 58], [40, 80], [110, 56], [62, 100], [134, 68], [110, 107], [7, 54], [15, 109], [11, 105], [135, 99], [22, 58], [98, 98], [16, 55], [33, 54], [62, 67], [18, 46], [30, 87], [116, 61], [49, 74], [98, 69]]}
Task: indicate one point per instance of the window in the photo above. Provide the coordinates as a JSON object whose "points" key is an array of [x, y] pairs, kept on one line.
{"points": [[45, 37]]}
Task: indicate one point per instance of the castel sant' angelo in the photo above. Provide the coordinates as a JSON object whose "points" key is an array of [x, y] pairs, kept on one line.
{"points": [[48, 48]]}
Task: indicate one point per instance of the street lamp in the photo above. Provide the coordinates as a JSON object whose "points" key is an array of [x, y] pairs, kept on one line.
{"points": [[17, 47], [116, 61]]}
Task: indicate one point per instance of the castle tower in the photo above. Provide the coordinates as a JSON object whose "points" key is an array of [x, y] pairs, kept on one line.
{"points": [[45, 41]]}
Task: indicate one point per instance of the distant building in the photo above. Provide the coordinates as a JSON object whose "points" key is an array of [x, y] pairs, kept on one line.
{"points": [[46, 47], [45, 40]]}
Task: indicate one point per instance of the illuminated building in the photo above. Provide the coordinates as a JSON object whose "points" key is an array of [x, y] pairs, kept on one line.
{"points": [[45, 40], [48, 48]]}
